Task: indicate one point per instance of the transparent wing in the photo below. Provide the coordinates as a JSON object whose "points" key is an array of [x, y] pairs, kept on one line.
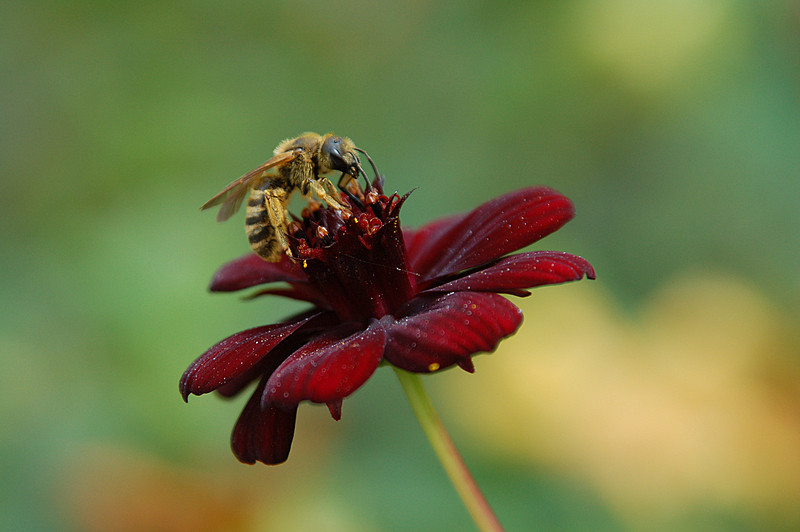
{"points": [[231, 196]]}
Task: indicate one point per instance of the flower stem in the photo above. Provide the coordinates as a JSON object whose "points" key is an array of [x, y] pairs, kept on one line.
{"points": [[447, 453]]}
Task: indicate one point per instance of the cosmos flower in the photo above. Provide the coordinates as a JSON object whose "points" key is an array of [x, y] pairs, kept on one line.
{"points": [[420, 299]]}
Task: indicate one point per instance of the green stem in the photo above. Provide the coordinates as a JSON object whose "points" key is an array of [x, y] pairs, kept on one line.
{"points": [[447, 453]]}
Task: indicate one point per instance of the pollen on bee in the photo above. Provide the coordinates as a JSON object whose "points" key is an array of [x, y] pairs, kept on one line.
{"points": [[433, 366]]}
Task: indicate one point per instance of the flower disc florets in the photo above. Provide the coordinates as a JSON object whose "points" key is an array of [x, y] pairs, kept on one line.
{"points": [[356, 259]]}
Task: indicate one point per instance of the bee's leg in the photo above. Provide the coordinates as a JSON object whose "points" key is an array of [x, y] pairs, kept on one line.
{"points": [[275, 202], [345, 180], [325, 191]]}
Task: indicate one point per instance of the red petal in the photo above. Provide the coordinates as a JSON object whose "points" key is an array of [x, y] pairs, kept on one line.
{"points": [[299, 292], [233, 357], [329, 367], [524, 270], [421, 241], [335, 408], [263, 435], [318, 321], [497, 227], [442, 331], [252, 270]]}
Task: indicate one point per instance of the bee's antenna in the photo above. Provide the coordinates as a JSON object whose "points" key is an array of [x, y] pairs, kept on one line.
{"points": [[366, 177], [378, 176], [371, 162]]}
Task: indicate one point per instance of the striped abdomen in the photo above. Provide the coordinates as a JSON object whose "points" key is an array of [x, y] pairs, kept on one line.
{"points": [[267, 219]]}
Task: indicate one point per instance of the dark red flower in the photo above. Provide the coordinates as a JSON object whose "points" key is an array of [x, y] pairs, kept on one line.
{"points": [[422, 300]]}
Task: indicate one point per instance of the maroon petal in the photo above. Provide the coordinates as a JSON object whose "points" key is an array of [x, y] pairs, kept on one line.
{"points": [[524, 270], [299, 292], [234, 386], [335, 408], [497, 227], [263, 435], [329, 367], [442, 331], [233, 357], [421, 241], [252, 270]]}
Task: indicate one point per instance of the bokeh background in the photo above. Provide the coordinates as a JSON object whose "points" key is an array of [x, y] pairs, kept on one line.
{"points": [[663, 396]]}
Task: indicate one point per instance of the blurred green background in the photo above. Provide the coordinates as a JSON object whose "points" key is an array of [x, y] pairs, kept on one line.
{"points": [[663, 396]]}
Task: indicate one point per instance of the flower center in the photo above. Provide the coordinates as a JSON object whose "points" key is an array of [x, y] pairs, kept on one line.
{"points": [[357, 259]]}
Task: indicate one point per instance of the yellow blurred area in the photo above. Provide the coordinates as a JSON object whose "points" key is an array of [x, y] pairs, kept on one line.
{"points": [[109, 486], [120, 489], [656, 46], [691, 402]]}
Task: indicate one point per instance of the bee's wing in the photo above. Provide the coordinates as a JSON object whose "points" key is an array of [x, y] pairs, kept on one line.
{"points": [[231, 196]]}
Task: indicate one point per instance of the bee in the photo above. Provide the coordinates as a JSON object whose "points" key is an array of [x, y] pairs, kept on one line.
{"points": [[297, 164]]}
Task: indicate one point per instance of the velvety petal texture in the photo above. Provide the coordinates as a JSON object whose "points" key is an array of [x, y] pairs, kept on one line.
{"points": [[328, 368], [252, 270], [510, 275], [435, 333], [423, 241], [497, 227], [263, 434], [422, 300], [232, 357]]}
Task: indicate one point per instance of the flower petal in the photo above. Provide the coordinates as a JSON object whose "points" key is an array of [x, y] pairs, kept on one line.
{"points": [[329, 367], [335, 408], [319, 321], [524, 270], [298, 291], [252, 270], [421, 240], [437, 332], [497, 227], [263, 435], [234, 356]]}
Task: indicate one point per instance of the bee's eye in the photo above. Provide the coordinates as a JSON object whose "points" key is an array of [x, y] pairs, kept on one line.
{"points": [[331, 149]]}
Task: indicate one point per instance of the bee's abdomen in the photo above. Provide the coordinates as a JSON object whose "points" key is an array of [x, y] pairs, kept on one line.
{"points": [[264, 233]]}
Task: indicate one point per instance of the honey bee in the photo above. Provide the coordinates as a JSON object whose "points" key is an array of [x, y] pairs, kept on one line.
{"points": [[298, 163]]}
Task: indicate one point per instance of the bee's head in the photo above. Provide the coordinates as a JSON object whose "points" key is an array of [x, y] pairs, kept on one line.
{"points": [[338, 153]]}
